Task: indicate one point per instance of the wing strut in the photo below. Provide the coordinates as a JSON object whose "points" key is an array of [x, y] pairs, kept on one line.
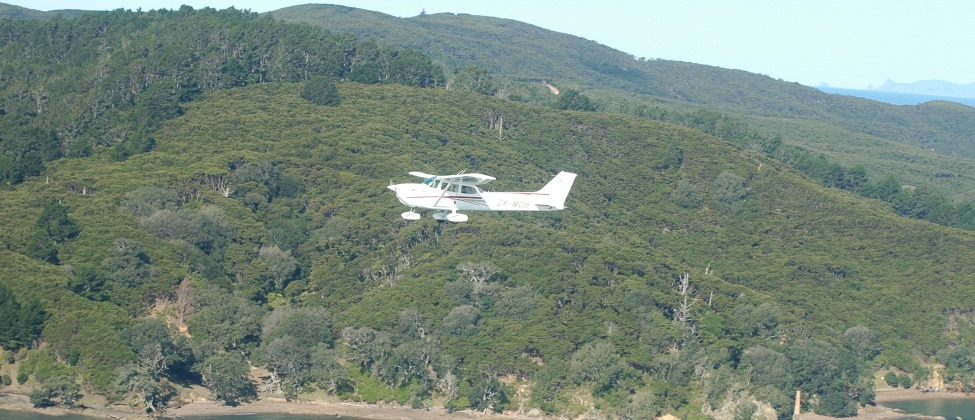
{"points": [[445, 188]]}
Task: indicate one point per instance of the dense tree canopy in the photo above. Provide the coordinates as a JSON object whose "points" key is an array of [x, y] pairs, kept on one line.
{"points": [[140, 68], [20, 323]]}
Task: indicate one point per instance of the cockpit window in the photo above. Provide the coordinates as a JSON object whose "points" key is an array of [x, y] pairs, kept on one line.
{"points": [[468, 190]]}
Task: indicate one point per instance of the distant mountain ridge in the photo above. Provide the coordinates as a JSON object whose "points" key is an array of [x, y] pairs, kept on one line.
{"points": [[929, 87], [901, 139], [17, 12], [898, 98]]}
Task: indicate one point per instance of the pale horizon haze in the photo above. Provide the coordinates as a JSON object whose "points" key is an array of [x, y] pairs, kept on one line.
{"points": [[846, 44]]}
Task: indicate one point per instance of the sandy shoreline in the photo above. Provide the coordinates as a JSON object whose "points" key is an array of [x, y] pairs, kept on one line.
{"points": [[899, 394], [16, 402], [338, 408], [335, 408]]}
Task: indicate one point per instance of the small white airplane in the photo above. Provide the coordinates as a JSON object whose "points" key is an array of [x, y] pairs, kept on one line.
{"points": [[449, 193]]}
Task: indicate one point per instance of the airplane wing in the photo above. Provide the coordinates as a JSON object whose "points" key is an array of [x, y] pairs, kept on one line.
{"points": [[421, 174], [466, 179]]}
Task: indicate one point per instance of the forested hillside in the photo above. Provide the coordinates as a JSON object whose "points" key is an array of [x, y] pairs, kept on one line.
{"points": [[197, 197], [110, 79], [927, 138]]}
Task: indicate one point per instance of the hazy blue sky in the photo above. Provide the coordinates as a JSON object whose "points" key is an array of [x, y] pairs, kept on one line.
{"points": [[844, 43]]}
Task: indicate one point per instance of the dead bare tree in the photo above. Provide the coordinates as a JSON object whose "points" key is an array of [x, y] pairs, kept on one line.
{"points": [[448, 385], [477, 274], [183, 301], [219, 183], [682, 313]]}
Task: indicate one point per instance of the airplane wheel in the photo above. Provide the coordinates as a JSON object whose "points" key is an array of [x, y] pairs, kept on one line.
{"points": [[457, 217]]}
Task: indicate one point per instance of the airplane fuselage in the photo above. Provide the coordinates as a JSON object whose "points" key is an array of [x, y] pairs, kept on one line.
{"points": [[448, 195], [424, 196]]}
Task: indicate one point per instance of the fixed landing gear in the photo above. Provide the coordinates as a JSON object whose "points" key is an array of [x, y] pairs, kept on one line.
{"points": [[450, 217], [411, 215], [457, 217]]}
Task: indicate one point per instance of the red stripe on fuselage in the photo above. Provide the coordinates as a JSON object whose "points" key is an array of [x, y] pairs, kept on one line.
{"points": [[452, 197]]}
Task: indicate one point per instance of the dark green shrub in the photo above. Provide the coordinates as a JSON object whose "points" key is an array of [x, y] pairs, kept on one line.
{"points": [[891, 379], [321, 90], [905, 381]]}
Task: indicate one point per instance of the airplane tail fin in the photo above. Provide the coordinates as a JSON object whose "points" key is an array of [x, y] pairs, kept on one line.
{"points": [[558, 189]]}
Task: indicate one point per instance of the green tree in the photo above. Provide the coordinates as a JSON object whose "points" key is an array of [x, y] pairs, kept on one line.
{"points": [[687, 195], [886, 190], [766, 367], [145, 200], [572, 100], [227, 377], [836, 404], [128, 266], [226, 320], [10, 334], [596, 364], [53, 227], [54, 221], [642, 405], [487, 393], [321, 90], [281, 266], [959, 362], [814, 365], [412, 324], [308, 325], [151, 336], [89, 282], [855, 178], [156, 352], [57, 391], [475, 79], [760, 320], [413, 68], [370, 348], [290, 335], [153, 391], [729, 192], [905, 381], [517, 303], [289, 363], [461, 321], [326, 371], [207, 228], [40, 247], [20, 324], [862, 341], [365, 63]]}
